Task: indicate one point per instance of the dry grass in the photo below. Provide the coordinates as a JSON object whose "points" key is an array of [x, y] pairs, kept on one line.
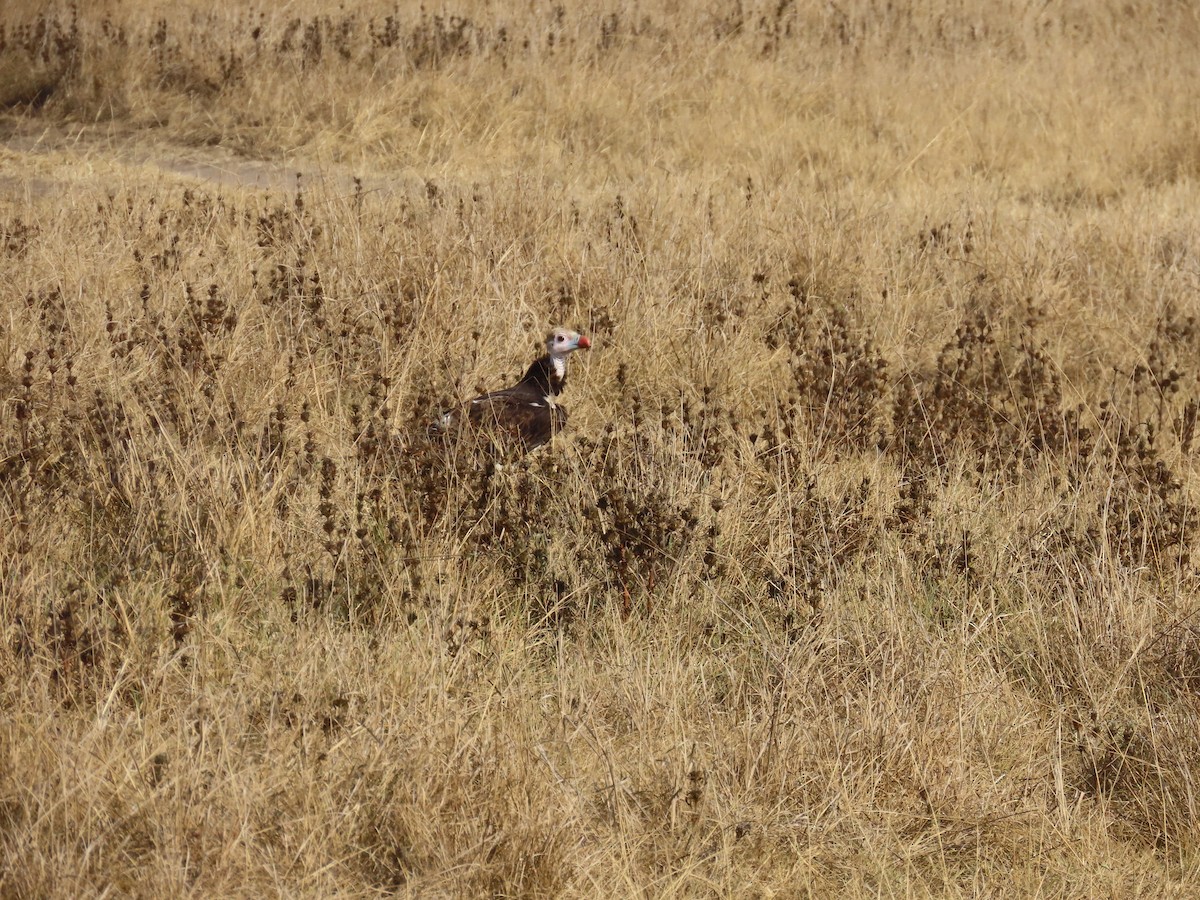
{"points": [[865, 569]]}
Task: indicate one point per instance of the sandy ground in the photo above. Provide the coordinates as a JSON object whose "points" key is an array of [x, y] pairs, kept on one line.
{"points": [[37, 160]]}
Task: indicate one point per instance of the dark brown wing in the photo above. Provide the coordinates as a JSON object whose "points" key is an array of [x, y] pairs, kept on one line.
{"points": [[529, 422]]}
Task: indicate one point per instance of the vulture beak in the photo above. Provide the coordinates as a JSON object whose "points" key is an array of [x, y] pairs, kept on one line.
{"points": [[584, 343]]}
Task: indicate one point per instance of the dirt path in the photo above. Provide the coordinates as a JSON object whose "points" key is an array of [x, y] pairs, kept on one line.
{"points": [[38, 160]]}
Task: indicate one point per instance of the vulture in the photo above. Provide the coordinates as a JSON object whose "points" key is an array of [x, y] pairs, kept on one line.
{"points": [[526, 413]]}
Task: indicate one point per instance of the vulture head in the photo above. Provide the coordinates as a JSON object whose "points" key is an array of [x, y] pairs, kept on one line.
{"points": [[560, 344]]}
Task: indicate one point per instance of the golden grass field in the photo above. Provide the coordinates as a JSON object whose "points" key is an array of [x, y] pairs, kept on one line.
{"points": [[866, 567]]}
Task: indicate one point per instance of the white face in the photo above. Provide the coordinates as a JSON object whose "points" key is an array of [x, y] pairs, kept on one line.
{"points": [[562, 341]]}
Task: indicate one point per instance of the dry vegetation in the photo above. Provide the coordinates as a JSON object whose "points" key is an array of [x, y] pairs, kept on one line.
{"points": [[867, 568]]}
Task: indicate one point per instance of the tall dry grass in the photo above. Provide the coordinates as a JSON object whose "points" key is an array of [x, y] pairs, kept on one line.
{"points": [[866, 565]]}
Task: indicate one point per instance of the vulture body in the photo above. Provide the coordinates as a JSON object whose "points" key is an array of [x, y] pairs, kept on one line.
{"points": [[526, 413]]}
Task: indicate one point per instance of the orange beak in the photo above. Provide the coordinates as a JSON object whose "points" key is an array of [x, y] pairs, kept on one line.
{"points": [[584, 343]]}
